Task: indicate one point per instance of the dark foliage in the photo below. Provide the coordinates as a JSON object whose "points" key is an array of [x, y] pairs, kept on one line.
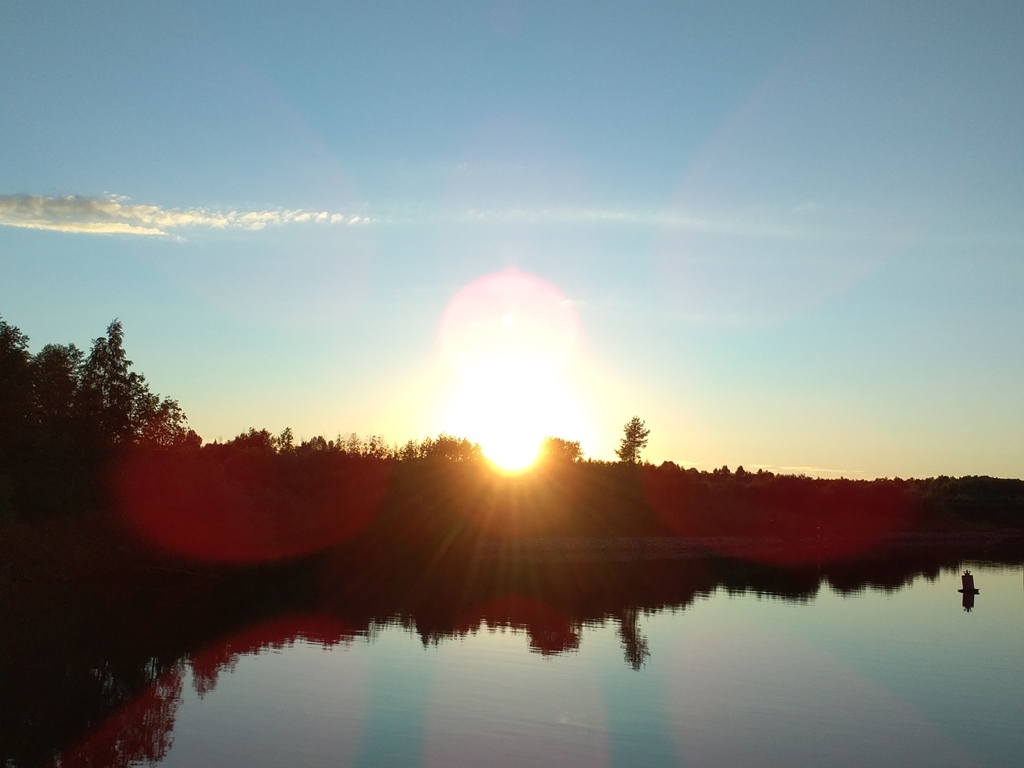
{"points": [[83, 431], [67, 417]]}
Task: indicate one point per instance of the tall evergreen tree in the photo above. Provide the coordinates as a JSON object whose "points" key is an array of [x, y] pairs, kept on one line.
{"points": [[634, 440]]}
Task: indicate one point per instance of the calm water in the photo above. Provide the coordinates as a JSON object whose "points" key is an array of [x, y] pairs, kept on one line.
{"points": [[902, 678]]}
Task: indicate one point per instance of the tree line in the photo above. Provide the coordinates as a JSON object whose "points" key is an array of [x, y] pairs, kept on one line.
{"points": [[68, 416], [65, 414], [71, 421]]}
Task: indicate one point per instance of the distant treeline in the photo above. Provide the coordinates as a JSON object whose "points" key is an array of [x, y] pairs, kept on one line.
{"points": [[259, 498], [81, 432]]}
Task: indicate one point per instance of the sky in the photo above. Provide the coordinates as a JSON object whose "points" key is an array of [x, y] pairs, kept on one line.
{"points": [[786, 235]]}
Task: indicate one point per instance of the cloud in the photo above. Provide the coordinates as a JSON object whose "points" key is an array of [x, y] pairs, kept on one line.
{"points": [[808, 207], [583, 216], [116, 215], [664, 219]]}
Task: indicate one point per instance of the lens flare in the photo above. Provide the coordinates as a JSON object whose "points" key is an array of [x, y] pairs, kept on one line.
{"points": [[509, 338]]}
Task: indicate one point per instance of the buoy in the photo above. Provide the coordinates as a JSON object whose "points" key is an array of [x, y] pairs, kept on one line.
{"points": [[967, 580]]}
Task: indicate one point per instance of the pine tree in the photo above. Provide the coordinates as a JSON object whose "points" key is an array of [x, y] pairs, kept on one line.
{"points": [[634, 440]]}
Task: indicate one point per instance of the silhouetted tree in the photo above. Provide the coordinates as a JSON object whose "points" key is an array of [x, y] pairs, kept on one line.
{"points": [[56, 374], [256, 440], [557, 450], [409, 451], [164, 424], [15, 411], [634, 440], [451, 448], [59, 430], [117, 404], [285, 442], [15, 382], [64, 416], [351, 444], [315, 445], [110, 390], [376, 448]]}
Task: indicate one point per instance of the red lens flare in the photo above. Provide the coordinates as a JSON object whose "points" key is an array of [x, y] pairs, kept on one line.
{"points": [[247, 507], [791, 521]]}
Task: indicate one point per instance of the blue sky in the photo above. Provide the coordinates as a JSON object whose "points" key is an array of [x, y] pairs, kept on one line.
{"points": [[791, 234]]}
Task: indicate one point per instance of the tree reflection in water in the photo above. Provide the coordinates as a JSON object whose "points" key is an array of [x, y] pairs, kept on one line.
{"points": [[92, 669], [633, 643], [140, 731]]}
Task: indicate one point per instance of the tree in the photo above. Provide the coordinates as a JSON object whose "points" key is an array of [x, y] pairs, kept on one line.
{"points": [[451, 448], [255, 440], [285, 442], [64, 415], [59, 461], [56, 374], [15, 411], [116, 400], [315, 445], [163, 424], [559, 451], [409, 451], [118, 405], [634, 440], [15, 388]]}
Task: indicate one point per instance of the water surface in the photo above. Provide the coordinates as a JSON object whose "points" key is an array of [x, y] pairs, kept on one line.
{"points": [[895, 676]]}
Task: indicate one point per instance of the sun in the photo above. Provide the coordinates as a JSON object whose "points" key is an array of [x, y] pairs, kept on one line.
{"points": [[512, 454], [508, 407], [509, 340]]}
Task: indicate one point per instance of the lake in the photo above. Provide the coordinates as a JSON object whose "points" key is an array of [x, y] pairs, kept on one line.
{"points": [[826, 671]]}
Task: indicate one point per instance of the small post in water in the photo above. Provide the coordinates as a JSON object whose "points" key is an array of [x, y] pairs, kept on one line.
{"points": [[968, 590]]}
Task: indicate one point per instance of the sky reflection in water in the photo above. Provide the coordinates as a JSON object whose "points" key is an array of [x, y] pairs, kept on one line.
{"points": [[877, 678]]}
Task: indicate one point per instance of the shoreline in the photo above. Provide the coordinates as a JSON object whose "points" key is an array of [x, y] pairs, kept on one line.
{"points": [[669, 547]]}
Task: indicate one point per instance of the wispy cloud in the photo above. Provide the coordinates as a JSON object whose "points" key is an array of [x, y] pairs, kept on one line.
{"points": [[113, 215], [583, 216], [808, 207], [664, 219]]}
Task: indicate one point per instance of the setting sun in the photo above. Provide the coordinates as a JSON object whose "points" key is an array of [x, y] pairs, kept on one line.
{"points": [[508, 409], [509, 339]]}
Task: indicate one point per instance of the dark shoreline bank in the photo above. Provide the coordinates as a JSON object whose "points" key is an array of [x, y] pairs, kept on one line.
{"points": [[682, 547], [97, 546]]}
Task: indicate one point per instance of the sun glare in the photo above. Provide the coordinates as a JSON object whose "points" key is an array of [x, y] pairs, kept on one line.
{"points": [[506, 407], [509, 339], [512, 456]]}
